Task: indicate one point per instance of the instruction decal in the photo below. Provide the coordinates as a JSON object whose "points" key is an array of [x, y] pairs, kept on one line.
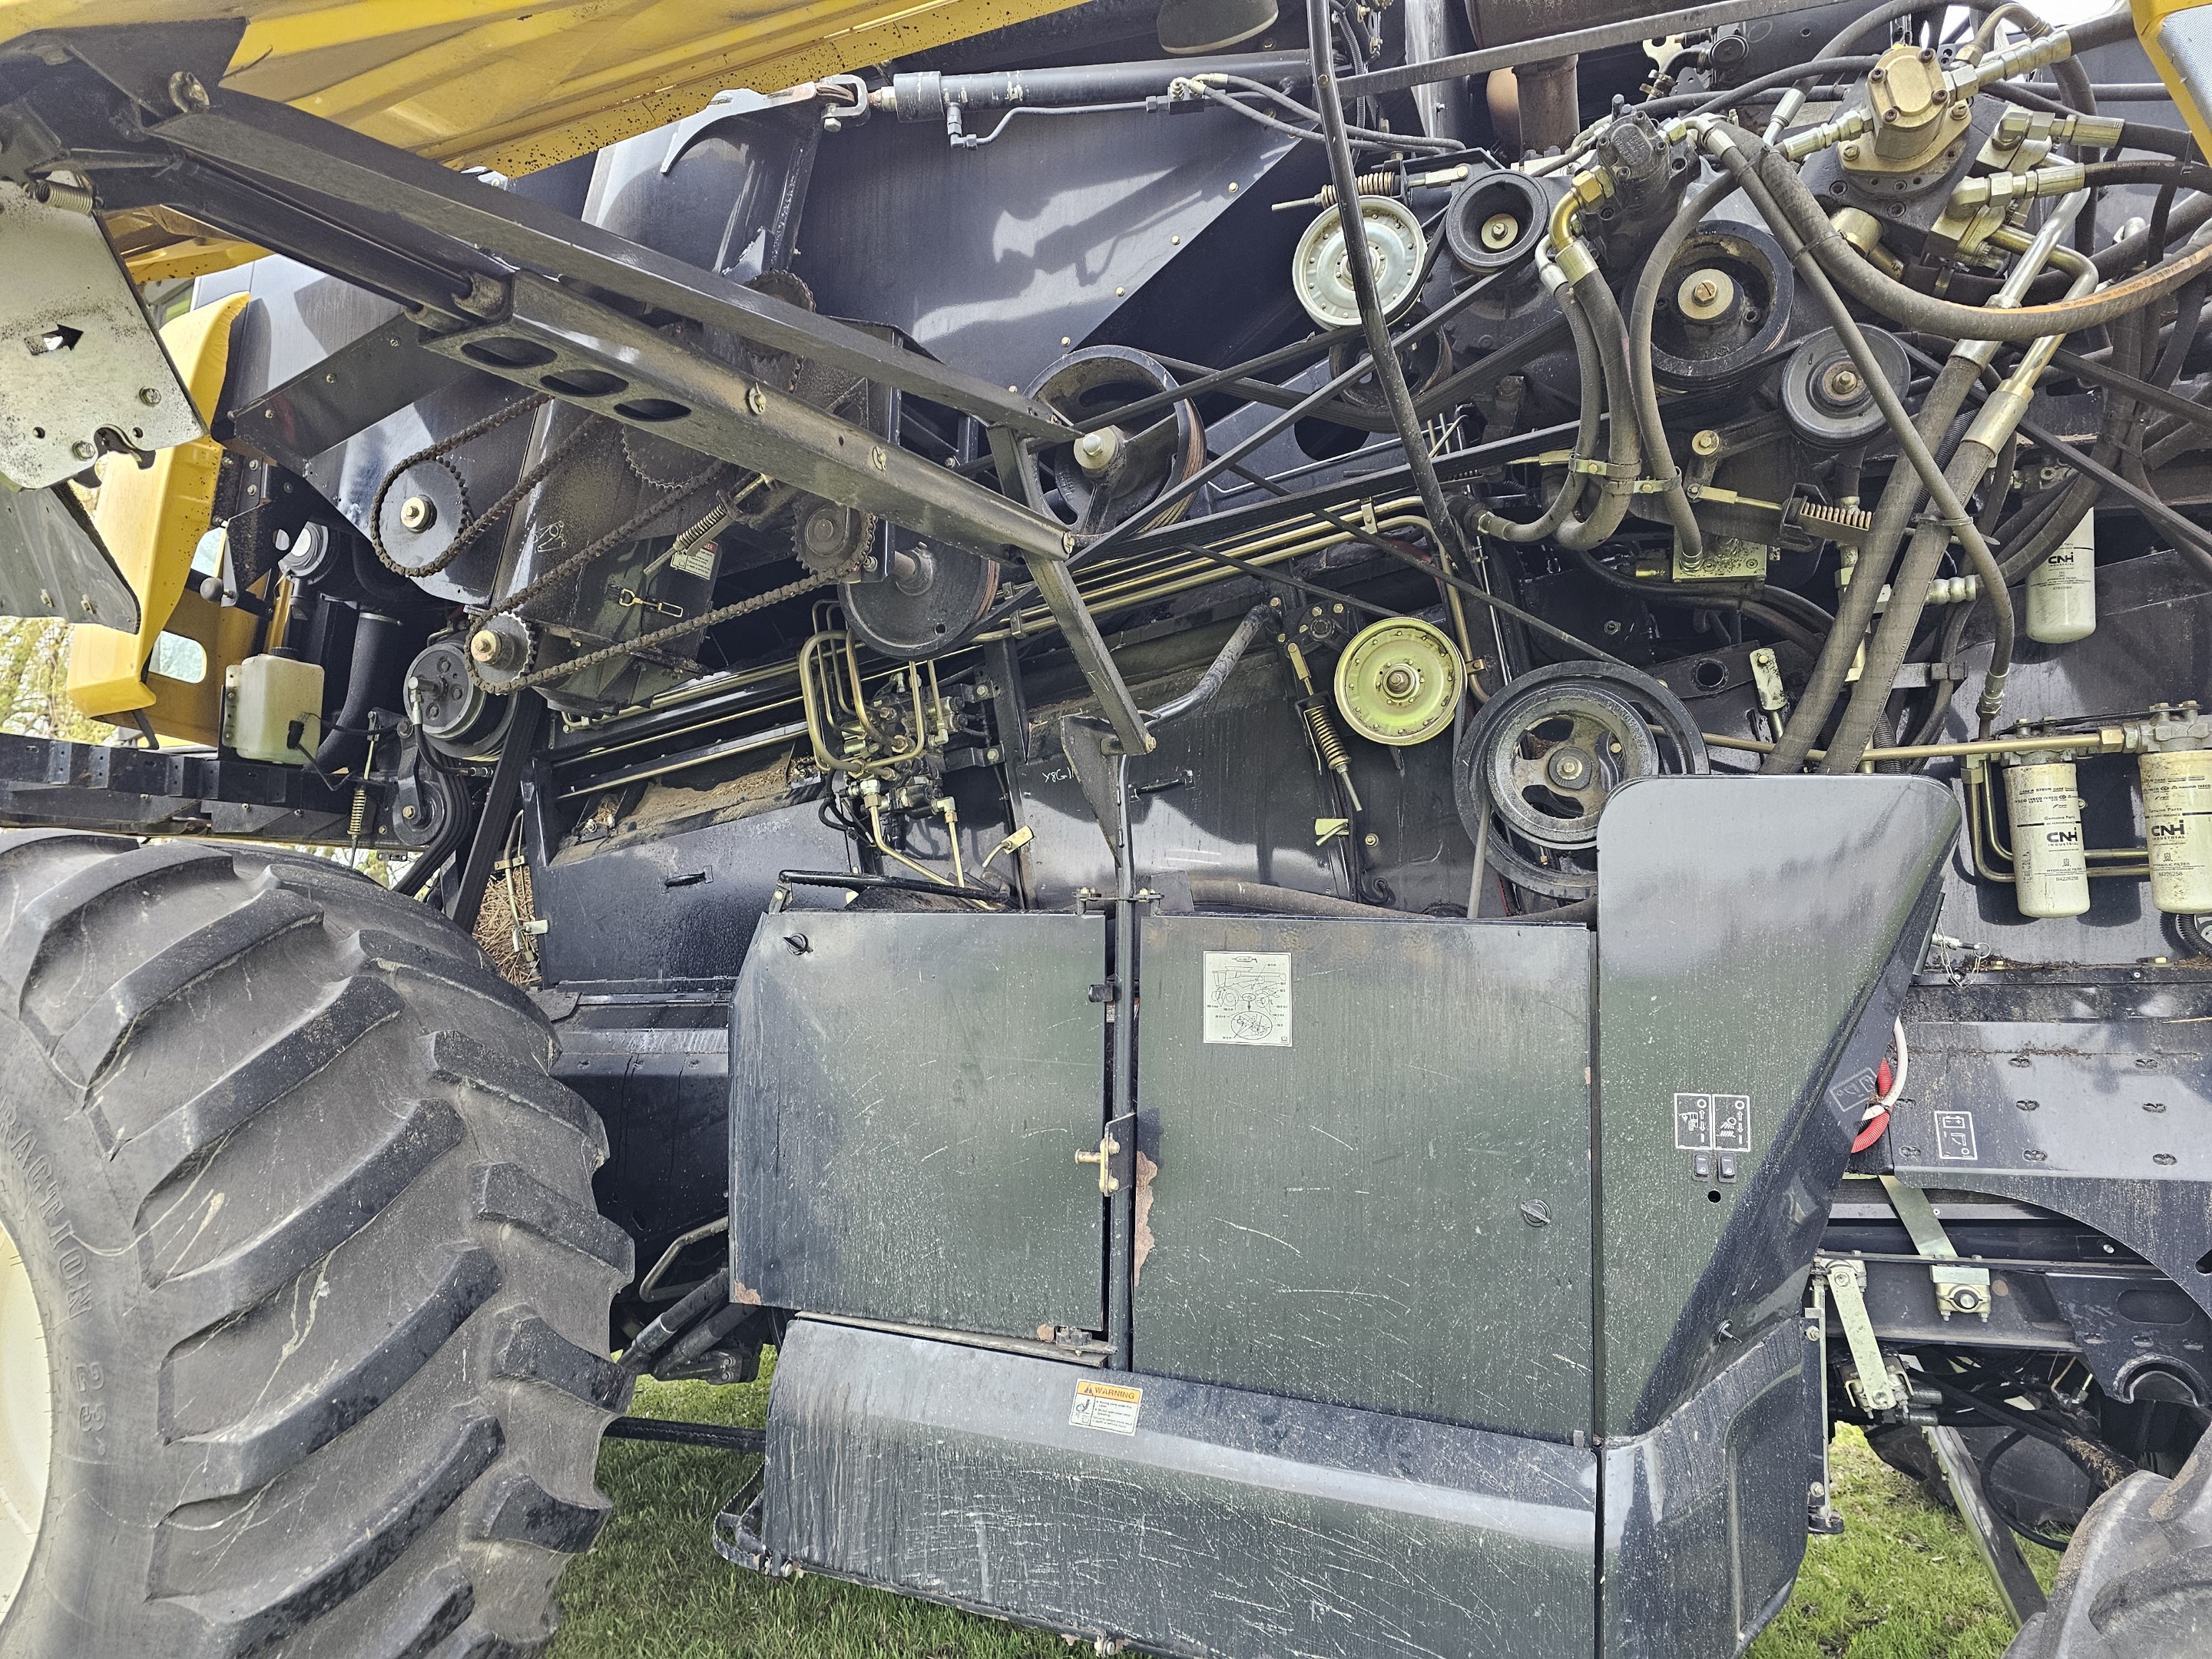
{"points": [[1107, 1406], [1954, 1138], [1248, 998], [1713, 1123]]}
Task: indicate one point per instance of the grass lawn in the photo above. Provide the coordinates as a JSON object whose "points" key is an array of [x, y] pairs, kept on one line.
{"points": [[1902, 1583]]}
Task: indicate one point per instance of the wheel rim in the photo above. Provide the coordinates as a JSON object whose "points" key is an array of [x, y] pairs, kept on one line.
{"points": [[26, 1421]]}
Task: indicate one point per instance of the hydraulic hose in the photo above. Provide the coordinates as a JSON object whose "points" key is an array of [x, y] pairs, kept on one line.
{"points": [[1797, 207], [1734, 149], [1977, 453], [1642, 309], [1616, 487], [1590, 372], [1232, 652], [1900, 619]]}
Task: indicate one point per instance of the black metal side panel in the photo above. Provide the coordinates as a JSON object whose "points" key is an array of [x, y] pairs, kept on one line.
{"points": [[2107, 1120], [1755, 935], [1223, 1523], [1705, 1516], [1392, 1209], [907, 1096]]}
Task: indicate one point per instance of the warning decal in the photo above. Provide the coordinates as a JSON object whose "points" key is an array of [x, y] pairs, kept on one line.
{"points": [[1107, 1406], [1248, 999], [1713, 1123], [1954, 1138]]}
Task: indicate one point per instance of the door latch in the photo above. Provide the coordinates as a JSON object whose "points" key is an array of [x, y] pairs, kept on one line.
{"points": [[1103, 1157]]}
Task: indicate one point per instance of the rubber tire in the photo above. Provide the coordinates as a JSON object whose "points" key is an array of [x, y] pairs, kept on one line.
{"points": [[2137, 1580], [312, 1236]]}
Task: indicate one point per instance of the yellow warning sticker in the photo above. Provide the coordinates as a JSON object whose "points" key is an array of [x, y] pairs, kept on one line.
{"points": [[1107, 1406]]}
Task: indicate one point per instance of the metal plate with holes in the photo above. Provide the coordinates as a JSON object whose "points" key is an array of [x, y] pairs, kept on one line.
{"points": [[77, 356], [53, 563], [1391, 1209], [908, 1095]]}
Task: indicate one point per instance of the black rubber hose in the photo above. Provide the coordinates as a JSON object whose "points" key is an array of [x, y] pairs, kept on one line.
{"points": [[1901, 499], [1451, 549], [372, 682], [2134, 135], [1232, 652], [1752, 607], [1659, 458], [1616, 489], [1900, 619], [1851, 272], [2188, 216], [2189, 313], [1590, 387], [649, 1343], [2181, 175]]}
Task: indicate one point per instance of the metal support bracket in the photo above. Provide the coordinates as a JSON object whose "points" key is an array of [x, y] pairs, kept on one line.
{"points": [[1877, 1388], [2016, 1583], [1959, 1288]]}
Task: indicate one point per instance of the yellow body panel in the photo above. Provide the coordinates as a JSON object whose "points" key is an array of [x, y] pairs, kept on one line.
{"points": [[2150, 18], [151, 519], [517, 85]]}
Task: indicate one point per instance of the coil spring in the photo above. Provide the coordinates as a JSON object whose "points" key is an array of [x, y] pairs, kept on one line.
{"points": [[357, 820], [1368, 184], [1332, 755]]}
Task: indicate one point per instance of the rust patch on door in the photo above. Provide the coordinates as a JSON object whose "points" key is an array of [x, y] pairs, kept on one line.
{"points": [[1142, 1238]]}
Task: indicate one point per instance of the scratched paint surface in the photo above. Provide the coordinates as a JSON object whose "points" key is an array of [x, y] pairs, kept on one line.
{"points": [[1341, 1219], [1229, 1523], [907, 1096]]}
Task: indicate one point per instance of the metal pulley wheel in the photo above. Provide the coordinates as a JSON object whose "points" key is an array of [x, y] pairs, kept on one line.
{"points": [[1399, 681], [932, 600], [1426, 364], [1110, 475], [421, 514], [455, 714], [1397, 252], [1540, 761], [1825, 395]]}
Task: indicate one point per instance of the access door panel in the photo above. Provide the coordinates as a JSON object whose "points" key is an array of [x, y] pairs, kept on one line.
{"points": [[1372, 1181], [908, 1095]]}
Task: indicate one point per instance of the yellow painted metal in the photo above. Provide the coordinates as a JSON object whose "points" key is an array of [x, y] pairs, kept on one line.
{"points": [[517, 85], [26, 1421], [2177, 38], [152, 519]]}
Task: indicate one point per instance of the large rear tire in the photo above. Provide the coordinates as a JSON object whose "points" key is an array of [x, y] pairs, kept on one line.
{"points": [[309, 1237]]}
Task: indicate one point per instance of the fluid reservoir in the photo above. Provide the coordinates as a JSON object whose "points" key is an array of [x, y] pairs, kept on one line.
{"points": [[266, 698], [2047, 839], [2061, 591], [2177, 792]]}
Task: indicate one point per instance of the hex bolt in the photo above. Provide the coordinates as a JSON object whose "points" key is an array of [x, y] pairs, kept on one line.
{"points": [[1707, 443], [1500, 230], [150, 395], [81, 450], [1844, 382], [1705, 293], [417, 513], [1850, 152]]}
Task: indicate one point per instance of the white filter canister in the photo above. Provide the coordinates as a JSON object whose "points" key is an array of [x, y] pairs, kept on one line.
{"points": [[2047, 853], [2061, 591], [2177, 793]]}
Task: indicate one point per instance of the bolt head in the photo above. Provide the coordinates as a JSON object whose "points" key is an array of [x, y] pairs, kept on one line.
{"points": [[483, 645], [81, 450], [417, 513], [756, 400], [1707, 442], [1500, 230], [407, 812], [150, 395], [1400, 681], [1850, 152]]}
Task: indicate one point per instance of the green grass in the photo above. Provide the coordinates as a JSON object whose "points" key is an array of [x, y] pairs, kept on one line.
{"points": [[1903, 1582]]}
